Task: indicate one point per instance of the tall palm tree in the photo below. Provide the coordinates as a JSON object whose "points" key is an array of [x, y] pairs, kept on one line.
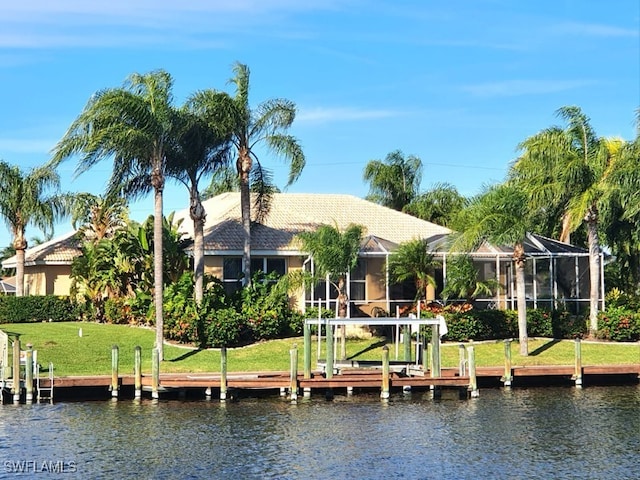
{"points": [[567, 169], [27, 199], [135, 126], [203, 148], [266, 124], [501, 216], [395, 181]]}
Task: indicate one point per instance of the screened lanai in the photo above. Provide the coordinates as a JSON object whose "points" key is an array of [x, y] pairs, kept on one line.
{"points": [[556, 276]]}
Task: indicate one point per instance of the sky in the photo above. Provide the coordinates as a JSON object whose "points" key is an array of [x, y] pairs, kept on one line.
{"points": [[458, 84]]}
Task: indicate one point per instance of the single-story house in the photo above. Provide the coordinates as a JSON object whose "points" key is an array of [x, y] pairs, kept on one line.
{"points": [[556, 272]]}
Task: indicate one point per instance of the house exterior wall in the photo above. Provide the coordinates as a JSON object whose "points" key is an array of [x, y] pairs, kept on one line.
{"points": [[48, 280]]}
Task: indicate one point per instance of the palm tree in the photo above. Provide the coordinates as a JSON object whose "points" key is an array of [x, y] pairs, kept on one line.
{"points": [[622, 207], [500, 216], [463, 280], [438, 205], [25, 200], [335, 254], [395, 181], [98, 216], [266, 124], [412, 261], [135, 126], [567, 169], [203, 149]]}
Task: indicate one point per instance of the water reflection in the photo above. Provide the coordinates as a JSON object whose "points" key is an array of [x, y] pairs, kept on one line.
{"points": [[518, 433]]}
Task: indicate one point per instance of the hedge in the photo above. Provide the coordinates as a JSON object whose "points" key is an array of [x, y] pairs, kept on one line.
{"points": [[37, 308]]}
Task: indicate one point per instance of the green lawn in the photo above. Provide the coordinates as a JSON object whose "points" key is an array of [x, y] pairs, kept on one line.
{"points": [[90, 353]]}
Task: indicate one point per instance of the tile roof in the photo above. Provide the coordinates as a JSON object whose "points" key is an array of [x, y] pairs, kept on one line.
{"points": [[57, 251], [292, 213]]}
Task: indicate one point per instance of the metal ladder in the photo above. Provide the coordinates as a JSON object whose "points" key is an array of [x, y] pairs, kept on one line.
{"points": [[45, 393]]}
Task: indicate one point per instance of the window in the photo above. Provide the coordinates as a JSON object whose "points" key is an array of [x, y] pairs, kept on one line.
{"points": [[358, 281], [232, 274], [232, 269]]}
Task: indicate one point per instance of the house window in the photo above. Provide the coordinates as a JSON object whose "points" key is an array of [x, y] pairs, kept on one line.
{"points": [[232, 269], [268, 265], [232, 274], [358, 281]]}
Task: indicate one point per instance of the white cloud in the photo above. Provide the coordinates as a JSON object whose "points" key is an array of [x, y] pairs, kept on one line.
{"points": [[340, 114], [512, 88], [595, 30]]}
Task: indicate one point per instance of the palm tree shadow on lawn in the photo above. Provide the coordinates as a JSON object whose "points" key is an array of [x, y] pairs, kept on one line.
{"points": [[184, 356], [544, 347], [373, 346]]}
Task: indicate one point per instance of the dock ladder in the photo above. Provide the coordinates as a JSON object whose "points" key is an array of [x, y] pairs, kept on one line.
{"points": [[45, 393]]}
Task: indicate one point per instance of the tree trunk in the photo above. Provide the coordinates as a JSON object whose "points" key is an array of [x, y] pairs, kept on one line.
{"points": [[20, 272], [198, 215], [519, 260], [20, 246], [594, 267], [158, 276], [244, 167]]}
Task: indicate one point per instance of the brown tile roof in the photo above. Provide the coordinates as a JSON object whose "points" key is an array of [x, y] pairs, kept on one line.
{"points": [[58, 251], [292, 213]]}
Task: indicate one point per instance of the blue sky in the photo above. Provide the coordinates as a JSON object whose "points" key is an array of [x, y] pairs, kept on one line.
{"points": [[457, 83]]}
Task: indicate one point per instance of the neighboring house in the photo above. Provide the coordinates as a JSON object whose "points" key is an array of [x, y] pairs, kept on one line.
{"points": [[557, 272], [47, 266]]}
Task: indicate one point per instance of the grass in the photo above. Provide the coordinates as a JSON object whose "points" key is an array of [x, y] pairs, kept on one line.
{"points": [[90, 354]]}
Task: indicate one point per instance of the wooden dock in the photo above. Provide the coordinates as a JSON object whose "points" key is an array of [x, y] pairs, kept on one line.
{"points": [[354, 379]]}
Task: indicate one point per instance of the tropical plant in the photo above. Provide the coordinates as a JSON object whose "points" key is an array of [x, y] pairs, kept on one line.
{"points": [[566, 169], [438, 205], [500, 215], [411, 261], [267, 124], [395, 181], [135, 126], [29, 199], [463, 280]]}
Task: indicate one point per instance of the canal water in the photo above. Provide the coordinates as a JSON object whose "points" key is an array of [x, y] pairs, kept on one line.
{"points": [[537, 433]]}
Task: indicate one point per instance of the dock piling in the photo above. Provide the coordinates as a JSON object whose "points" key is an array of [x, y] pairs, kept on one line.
{"points": [[462, 361], [15, 384], [114, 370], [507, 378], [473, 381], [293, 354], [384, 393], [155, 373], [577, 377], [329, 364], [137, 371], [406, 340], [435, 351], [28, 375], [223, 374]]}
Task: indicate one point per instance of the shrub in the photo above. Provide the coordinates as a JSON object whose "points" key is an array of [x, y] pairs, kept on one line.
{"points": [[117, 310], [619, 324], [539, 323], [37, 308], [566, 325], [225, 328]]}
